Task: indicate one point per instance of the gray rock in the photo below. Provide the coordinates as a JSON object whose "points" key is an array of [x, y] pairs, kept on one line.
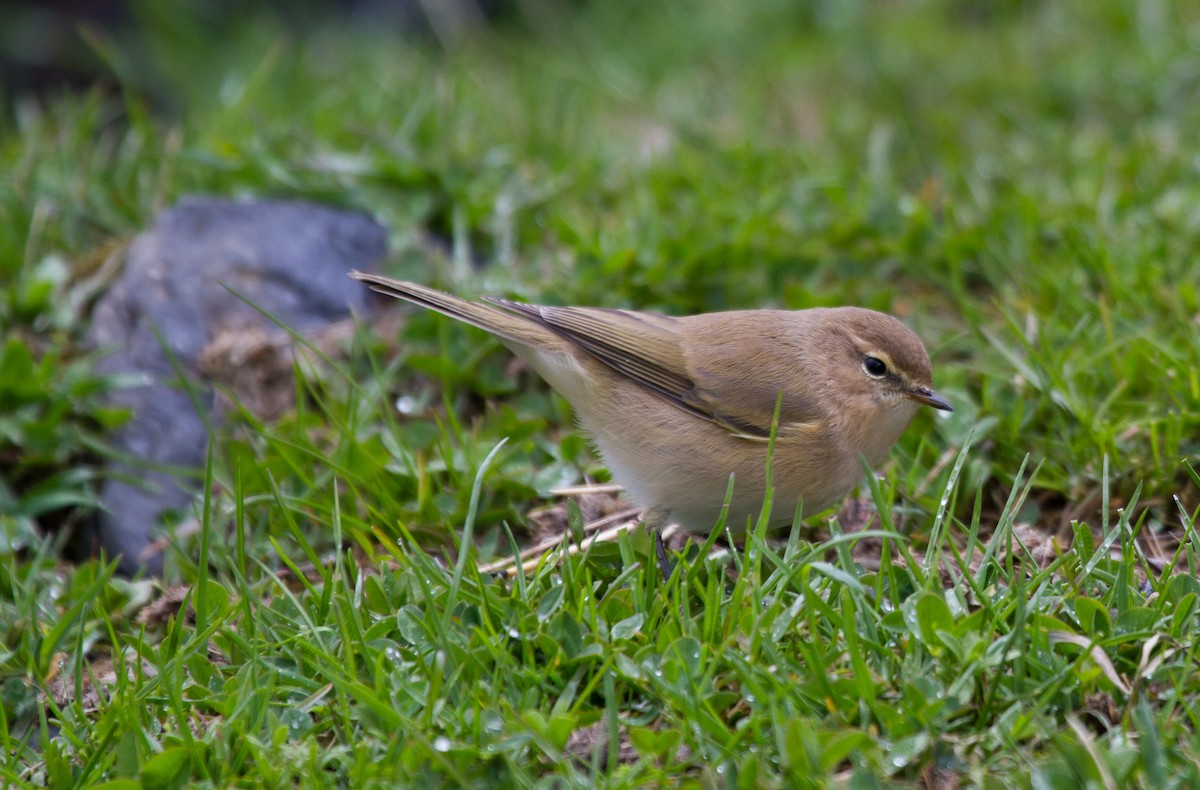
{"points": [[173, 298]]}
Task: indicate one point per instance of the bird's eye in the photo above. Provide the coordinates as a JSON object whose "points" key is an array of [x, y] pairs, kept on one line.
{"points": [[875, 366]]}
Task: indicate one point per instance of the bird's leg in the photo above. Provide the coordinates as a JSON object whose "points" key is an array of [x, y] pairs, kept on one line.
{"points": [[655, 520], [664, 563]]}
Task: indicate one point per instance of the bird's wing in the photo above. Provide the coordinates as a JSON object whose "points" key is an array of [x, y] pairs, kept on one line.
{"points": [[746, 388], [704, 374]]}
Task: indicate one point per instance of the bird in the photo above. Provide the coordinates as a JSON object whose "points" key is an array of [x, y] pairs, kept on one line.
{"points": [[677, 406]]}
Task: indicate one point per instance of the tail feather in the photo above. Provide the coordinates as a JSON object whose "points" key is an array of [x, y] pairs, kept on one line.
{"points": [[506, 325]]}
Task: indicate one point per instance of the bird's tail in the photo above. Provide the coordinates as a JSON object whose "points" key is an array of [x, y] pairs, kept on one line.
{"points": [[512, 326]]}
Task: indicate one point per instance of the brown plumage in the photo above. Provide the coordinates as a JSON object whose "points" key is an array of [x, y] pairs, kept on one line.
{"points": [[677, 405]]}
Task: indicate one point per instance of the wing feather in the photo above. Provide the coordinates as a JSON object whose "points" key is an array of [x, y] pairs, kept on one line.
{"points": [[704, 374]]}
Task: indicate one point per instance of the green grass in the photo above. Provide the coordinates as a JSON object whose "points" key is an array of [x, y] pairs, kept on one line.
{"points": [[1017, 181]]}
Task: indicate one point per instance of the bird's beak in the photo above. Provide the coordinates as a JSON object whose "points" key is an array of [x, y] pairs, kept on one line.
{"points": [[929, 398]]}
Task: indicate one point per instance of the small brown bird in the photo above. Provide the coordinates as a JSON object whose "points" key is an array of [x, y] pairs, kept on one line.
{"points": [[678, 405]]}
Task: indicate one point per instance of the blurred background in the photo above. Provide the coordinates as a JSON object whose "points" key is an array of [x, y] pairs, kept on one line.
{"points": [[1017, 180], [148, 46]]}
